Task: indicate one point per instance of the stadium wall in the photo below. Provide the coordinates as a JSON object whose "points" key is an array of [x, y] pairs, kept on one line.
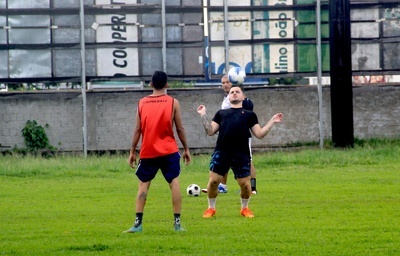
{"points": [[110, 115]]}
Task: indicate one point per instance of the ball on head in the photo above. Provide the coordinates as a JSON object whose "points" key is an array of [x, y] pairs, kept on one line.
{"points": [[236, 75]]}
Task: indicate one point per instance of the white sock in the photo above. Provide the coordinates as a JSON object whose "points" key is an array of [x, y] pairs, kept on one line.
{"points": [[245, 202], [212, 202]]}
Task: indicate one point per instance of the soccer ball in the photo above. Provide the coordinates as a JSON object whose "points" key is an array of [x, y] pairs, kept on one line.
{"points": [[193, 190], [236, 75]]}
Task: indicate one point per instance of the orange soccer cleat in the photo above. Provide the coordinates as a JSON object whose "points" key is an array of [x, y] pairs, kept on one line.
{"points": [[246, 213], [209, 213]]}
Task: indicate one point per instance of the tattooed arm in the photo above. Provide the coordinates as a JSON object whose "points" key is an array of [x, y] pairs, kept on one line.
{"points": [[210, 127]]}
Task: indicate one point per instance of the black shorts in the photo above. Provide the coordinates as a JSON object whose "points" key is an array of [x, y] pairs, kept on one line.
{"points": [[238, 162], [169, 165]]}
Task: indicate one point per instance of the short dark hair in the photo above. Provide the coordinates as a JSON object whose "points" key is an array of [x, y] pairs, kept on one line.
{"points": [[238, 85], [159, 79]]}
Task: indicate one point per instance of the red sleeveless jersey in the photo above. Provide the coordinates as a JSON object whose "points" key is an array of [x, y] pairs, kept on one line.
{"points": [[157, 126]]}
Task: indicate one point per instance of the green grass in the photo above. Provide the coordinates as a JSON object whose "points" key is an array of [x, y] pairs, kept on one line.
{"points": [[310, 202]]}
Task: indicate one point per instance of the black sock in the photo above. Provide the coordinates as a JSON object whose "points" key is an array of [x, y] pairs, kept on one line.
{"points": [[138, 220], [253, 184], [177, 218]]}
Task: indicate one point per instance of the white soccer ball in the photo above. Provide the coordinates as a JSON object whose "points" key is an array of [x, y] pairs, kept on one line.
{"points": [[193, 190], [236, 75]]}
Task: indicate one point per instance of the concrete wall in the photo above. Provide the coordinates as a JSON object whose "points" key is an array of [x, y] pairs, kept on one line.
{"points": [[110, 115]]}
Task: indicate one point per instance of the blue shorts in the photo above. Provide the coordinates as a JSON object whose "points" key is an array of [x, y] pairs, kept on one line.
{"points": [[169, 165], [238, 162]]}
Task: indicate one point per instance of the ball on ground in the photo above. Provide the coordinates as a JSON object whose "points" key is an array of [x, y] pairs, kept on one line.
{"points": [[193, 190]]}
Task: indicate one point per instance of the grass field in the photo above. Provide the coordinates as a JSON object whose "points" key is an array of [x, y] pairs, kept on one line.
{"points": [[310, 202]]}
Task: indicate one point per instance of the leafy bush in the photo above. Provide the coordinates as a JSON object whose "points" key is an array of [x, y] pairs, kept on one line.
{"points": [[35, 136]]}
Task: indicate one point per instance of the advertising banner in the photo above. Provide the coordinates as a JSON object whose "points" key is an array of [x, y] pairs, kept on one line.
{"points": [[239, 56], [270, 58], [274, 24], [239, 26], [273, 58], [40, 39], [117, 28]]}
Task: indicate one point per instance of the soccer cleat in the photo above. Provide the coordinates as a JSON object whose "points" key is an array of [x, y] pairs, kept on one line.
{"points": [[254, 192], [177, 227], [222, 189], [209, 213], [134, 229], [204, 190], [246, 213]]}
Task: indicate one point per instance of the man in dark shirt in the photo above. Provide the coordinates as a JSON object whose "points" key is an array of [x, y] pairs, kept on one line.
{"points": [[232, 150]]}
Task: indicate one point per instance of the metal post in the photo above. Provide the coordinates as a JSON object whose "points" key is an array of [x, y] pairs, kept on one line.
{"points": [[319, 75], [226, 36], [164, 36], [341, 71], [206, 41], [83, 78]]}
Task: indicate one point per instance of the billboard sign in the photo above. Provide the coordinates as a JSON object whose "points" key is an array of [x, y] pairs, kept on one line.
{"points": [[116, 28], [268, 58]]}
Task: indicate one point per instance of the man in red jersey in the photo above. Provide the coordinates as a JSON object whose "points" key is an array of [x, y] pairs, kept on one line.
{"points": [[156, 116]]}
